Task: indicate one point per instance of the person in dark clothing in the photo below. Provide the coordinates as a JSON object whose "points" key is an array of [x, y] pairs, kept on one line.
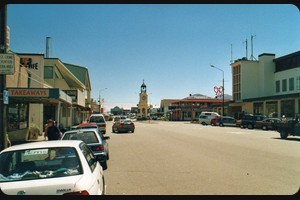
{"points": [[52, 131]]}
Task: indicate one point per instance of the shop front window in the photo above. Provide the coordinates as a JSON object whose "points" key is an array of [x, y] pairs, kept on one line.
{"points": [[288, 108], [271, 109], [17, 116]]}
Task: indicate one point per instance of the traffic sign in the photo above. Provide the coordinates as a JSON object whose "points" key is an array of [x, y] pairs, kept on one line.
{"points": [[5, 97]]}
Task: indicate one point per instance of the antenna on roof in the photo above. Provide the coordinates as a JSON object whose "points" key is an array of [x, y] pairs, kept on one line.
{"points": [[252, 57], [48, 46], [246, 48], [231, 53]]}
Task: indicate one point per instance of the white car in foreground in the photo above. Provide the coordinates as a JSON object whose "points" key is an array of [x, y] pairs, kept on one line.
{"points": [[61, 167]]}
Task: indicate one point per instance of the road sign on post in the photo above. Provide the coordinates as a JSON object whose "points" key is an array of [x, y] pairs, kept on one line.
{"points": [[5, 97], [7, 64]]}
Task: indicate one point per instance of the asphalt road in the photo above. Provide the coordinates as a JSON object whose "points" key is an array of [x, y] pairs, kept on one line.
{"points": [[179, 158]]}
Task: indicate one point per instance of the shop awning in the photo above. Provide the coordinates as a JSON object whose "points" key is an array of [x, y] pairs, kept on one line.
{"points": [[38, 95]]}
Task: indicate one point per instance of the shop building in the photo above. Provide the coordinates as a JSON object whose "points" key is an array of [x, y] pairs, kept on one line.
{"points": [[189, 108], [40, 89], [268, 86]]}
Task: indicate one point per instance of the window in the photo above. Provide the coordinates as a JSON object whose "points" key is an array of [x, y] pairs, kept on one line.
{"points": [[284, 85], [277, 86], [298, 83], [37, 164], [88, 154], [291, 84], [17, 116], [48, 72]]}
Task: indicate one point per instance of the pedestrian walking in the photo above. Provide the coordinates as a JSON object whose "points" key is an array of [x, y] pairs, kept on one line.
{"points": [[52, 131]]}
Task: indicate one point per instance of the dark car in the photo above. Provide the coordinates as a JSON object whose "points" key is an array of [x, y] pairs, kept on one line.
{"points": [[249, 120], [94, 139], [126, 125], [226, 121], [267, 124]]}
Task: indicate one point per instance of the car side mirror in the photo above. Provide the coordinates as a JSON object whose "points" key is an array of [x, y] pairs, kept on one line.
{"points": [[106, 137]]}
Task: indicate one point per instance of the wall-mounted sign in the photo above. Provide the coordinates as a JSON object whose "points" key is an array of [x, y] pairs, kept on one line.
{"points": [[7, 64], [28, 63], [73, 94], [29, 92]]}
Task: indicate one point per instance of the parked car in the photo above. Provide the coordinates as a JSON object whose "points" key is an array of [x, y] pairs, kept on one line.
{"points": [[88, 125], [100, 120], [94, 139], [205, 117], [268, 124], [214, 121], [124, 125], [51, 168], [249, 120], [116, 118], [226, 121]]}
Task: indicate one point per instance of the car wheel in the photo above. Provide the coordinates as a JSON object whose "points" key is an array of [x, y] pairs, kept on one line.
{"points": [[203, 123], [250, 126], [221, 124], [113, 131], [283, 135], [132, 131], [104, 165], [241, 126], [264, 128]]}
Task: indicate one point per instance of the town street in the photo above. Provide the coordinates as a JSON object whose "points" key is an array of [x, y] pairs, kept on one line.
{"points": [[180, 158]]}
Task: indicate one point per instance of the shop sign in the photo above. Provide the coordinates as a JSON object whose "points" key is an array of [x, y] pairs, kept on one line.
{"points": [[28, 63], [72, 94], [7, 64], [29, 92]]}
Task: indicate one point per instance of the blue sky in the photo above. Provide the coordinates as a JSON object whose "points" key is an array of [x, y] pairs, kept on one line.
{"points": [[170, 46]]}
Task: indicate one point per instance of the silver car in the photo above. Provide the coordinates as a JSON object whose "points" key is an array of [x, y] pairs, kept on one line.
{"points": [[95, 141]]}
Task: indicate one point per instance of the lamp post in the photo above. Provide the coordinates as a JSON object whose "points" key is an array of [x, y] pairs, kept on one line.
{"points": [[100, 99], [223, 89]]}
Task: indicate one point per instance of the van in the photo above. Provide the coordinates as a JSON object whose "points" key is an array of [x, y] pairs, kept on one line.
{"points": [[205, 117], [100, 120]]}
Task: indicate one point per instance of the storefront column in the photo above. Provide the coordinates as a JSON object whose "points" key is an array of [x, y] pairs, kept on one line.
{"points": [[58, 113], [264, 107], [297, 106], [279, 109]]}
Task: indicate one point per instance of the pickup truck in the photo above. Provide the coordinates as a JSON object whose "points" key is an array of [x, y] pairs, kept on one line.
{"points": [[290, 127]]}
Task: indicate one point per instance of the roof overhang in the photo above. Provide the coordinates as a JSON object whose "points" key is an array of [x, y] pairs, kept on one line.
{"points": [[68, 76], [38, 95]]}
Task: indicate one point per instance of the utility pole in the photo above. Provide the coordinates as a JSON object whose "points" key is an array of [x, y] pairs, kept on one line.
{"points": [[3, 25]]}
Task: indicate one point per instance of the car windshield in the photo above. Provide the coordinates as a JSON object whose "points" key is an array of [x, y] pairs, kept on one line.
{"points": [[86, 136], [96, 119], [42, 163]]}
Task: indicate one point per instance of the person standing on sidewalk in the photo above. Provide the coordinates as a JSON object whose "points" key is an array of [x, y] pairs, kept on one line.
{"points": [[52, 131]]}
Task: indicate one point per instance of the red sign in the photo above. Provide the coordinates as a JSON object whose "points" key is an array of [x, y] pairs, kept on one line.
{"points": [[28, 92]]}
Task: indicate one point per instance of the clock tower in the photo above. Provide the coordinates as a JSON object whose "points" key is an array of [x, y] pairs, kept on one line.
{"points": [[143, 103]]}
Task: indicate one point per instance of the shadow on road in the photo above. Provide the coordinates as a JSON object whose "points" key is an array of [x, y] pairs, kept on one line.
{"points": [[288, 139]]}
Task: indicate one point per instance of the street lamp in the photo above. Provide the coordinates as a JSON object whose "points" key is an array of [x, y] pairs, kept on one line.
{"points": [[223, 89], [100, 99]]}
